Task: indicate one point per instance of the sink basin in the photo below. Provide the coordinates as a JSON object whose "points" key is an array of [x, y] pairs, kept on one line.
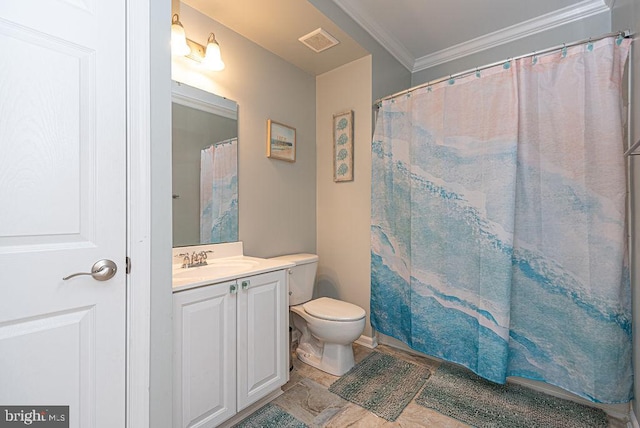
{"points": [[232, 262], [215, 268]]}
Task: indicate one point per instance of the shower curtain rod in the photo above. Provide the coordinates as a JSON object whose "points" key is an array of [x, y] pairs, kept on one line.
{"points": [[623, 33], [219, 143]]}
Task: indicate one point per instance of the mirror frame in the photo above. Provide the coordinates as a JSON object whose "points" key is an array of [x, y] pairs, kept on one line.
{"points": [[202, 100]]}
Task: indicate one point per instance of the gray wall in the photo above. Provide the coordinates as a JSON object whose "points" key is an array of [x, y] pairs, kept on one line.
{"points": [[277, 199], [626, 15]]}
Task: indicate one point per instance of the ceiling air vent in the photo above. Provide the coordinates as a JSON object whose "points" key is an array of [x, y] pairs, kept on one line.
{"points": [[319, 40]]}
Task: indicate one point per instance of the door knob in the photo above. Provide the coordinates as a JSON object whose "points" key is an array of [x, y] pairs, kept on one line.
{"points": [[102, 270]]}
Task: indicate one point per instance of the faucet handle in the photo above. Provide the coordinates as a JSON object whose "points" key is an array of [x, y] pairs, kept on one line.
{"points": [[203, 254]]}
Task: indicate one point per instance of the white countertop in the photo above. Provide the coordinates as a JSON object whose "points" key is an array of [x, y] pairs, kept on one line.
{"points": [[223, 269]]}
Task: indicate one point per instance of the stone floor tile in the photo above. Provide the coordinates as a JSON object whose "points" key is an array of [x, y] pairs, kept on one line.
{"points": [[306, 371], [311, 403], [354, 416], [416, 416], [306, 397]]}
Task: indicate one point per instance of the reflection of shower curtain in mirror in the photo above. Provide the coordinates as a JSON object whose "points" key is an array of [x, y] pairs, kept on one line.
{"points": [[219, 192]]}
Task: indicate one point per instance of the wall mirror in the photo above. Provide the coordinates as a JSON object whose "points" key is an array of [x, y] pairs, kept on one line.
{"points": [[204, 167]]}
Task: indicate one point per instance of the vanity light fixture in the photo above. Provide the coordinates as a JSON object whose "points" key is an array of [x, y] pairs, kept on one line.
{"points": [[208, 56]]}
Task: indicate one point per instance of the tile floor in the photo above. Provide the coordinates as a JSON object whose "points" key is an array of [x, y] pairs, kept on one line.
{"points": [[306, 396]]}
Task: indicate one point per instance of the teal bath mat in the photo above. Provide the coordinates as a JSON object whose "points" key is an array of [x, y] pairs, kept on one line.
{"points": [[382, 384], [461, 394], [270, 416]]}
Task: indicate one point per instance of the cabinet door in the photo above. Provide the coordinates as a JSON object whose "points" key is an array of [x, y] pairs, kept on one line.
{"points": [[204, 367], [262, 336]]}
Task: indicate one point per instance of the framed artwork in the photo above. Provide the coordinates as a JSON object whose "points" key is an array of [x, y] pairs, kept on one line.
{"points": [[343, 146], [281, 141]]}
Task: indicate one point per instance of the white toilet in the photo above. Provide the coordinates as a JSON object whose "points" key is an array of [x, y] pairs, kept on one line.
{"points": [[328, 327]]}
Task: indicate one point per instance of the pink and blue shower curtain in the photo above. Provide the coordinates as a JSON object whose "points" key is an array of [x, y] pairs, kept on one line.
{"points": [[498, 235], [219, 192]]}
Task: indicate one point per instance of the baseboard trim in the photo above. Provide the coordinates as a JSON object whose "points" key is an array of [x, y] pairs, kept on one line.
{"points": [[633, 420], [368, 341]]}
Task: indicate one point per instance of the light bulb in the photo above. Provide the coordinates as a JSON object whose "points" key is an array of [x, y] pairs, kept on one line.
{"points": [[179, 44], [212, 57]]}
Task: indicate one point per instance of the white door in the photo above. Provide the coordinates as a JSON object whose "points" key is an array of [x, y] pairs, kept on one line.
{"points": [[262, 336], [204, 359], [62, 207]]}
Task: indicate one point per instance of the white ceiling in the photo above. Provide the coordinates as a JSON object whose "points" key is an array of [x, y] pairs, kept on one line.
{"points": [[419, 33]]}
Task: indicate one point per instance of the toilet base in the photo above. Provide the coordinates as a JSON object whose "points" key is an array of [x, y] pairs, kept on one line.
{"points": [[333, 359]]}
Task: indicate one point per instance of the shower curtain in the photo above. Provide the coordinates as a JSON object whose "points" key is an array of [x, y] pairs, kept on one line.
{"points": [[498, 236], [219, 192]]}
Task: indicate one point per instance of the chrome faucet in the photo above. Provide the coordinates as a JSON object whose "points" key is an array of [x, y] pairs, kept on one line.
{"points": [[195, 260]]}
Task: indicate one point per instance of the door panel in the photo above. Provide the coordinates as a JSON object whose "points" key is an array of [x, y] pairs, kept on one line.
{"points": [[204, 356], [262, 336], [65, 342], [62, 187], [47, 127]]}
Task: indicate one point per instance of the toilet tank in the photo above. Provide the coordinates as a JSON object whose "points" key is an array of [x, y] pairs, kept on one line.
{"points": [[302, 276]]}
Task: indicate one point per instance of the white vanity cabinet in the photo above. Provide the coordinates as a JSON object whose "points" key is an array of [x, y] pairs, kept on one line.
{"points": [[230, 347], [263, 336]]}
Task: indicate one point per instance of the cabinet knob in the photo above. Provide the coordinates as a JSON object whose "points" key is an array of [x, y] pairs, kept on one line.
{"points": [[245, 284], [233, 289]]}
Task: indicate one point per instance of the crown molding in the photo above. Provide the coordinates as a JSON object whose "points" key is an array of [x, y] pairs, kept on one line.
{"points": [[524, 29], [566, 15], [390, 43]]}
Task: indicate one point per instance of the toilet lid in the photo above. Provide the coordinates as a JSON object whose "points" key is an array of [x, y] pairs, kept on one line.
{"points": [[333, 310]]}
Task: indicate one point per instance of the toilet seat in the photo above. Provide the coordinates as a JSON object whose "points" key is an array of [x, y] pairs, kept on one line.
{"points": [[333, 310]]}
